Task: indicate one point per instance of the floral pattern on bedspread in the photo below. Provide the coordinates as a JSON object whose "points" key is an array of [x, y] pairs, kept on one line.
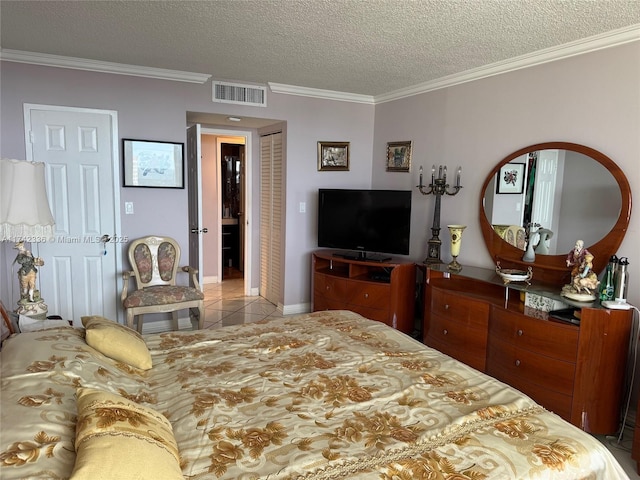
{"points": [[313, 396]]}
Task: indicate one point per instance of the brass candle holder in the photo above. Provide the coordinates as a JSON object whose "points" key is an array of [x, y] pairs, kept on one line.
{"points": [[438, 187]]}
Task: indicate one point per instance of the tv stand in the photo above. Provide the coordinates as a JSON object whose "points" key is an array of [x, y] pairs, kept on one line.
{"points": [[382, 290], [363, 256]]}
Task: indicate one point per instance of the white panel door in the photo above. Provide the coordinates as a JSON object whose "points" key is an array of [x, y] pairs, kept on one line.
{"points": [[546, 201], [80, 275]]}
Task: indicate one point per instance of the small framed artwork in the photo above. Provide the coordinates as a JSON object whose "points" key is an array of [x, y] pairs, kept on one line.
{"points": [[510, 178], [398, 156], [154, 164], [333, 156]]}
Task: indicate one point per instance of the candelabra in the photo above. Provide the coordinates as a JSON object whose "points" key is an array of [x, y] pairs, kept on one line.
{"points": [[437, 187]]}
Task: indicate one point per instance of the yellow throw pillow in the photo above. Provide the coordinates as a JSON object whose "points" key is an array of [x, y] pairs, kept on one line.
{"points": [[117, 341], [117, 439]]}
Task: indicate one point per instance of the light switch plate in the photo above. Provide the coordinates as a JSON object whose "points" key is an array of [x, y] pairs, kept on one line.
{"points": [[128, 208]]}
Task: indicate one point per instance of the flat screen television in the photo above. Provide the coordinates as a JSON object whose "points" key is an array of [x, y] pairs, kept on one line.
{"points": [[366, 222]]}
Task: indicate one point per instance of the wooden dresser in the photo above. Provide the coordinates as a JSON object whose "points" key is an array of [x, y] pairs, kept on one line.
{"points": [[576, 371], [382, 291]]}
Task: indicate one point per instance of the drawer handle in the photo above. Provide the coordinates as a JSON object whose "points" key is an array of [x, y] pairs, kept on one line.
{"points": [[328, 287], [520, 333], [445, 332], [446, 307], [366, 295], [517, 363]]}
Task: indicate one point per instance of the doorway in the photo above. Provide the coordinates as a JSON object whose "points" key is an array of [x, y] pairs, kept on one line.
{"points": [[226, 227], [231, 185]]}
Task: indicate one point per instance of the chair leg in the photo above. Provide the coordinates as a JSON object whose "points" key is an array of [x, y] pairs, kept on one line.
{"points": [[130, 318], [140, 317], [176, 321], [201, 316]]}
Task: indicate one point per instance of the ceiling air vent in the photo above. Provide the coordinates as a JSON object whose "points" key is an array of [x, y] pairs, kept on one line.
{"points": [[240, 94]]}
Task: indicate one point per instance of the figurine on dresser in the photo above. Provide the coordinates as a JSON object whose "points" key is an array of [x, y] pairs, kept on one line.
{"points": [[584, 281]]}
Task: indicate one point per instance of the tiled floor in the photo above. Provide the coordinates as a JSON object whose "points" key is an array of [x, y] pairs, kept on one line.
{"points": [[226, 304]]}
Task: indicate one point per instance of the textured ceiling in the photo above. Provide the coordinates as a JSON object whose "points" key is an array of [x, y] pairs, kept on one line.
{"points": [[368, 47]]}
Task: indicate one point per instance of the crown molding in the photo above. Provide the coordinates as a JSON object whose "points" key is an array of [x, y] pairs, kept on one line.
{"points": [[591, 44], [98, 66], [319, 93]]}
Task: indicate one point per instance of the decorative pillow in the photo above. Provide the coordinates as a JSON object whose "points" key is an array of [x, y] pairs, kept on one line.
{"points": [[118, 439], [117, 341]]}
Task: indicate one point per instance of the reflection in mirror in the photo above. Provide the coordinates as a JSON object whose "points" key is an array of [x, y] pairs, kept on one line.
{"points": [[569, 194]]}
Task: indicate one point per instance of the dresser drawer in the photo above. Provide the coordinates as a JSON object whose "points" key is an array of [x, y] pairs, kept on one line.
{"points": [[469, 345], [470, 352], [463, 310], [372, 313], [322, 303], [557, 402], [547, 338], [330, 287], [508, 363], [370, 295]]}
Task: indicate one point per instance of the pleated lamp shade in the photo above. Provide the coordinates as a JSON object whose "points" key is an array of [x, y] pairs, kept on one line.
{"points": [[24, 208]]}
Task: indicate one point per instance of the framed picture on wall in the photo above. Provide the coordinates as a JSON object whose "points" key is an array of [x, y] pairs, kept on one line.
{"points": [[398, 156], [510, 178], [148, 163], [333, 156]]}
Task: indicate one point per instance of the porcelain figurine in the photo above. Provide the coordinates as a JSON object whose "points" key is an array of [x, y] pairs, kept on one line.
{"points": [[30, 303], [584, 281]]}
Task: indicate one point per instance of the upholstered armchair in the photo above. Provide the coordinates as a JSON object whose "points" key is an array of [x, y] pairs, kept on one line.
{"points": [[155, 263]]}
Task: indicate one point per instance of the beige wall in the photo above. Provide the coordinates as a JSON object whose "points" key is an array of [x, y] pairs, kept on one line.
{"points": [[591, 99]]}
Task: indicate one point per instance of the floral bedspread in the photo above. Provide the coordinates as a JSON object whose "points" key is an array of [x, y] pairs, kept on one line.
{"points": [[313, 396]]}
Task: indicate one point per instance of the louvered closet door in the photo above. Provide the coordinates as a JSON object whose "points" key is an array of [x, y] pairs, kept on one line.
{"points": [[271, 205]]}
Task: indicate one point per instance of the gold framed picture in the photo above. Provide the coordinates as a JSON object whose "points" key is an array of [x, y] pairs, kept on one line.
{"points": [[333, 156], [398, 156]]}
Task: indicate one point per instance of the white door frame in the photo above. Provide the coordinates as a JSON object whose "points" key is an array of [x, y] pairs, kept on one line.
{"points": [[113, 115], [248, 215]]}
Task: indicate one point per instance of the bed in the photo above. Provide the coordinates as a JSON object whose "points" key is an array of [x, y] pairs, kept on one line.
{"points": [[312, 396]]}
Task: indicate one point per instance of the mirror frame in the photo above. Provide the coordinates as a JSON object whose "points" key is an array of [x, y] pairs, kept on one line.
{"points": [[552, 269]]}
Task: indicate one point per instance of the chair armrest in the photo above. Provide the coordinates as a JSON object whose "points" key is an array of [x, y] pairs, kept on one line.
{"points": [[125, 286], [194, 276]]}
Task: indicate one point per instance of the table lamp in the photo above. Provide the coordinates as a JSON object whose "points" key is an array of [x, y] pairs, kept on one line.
{"points": [[25, 217]]}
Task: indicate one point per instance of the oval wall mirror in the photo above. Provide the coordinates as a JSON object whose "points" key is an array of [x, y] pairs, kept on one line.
{"points": [[570, 192]]}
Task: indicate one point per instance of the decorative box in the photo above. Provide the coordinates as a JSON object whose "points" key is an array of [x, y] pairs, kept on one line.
{"points": [[545, 304]]}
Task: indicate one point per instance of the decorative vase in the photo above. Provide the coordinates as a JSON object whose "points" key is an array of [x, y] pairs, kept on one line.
{"points": [[456, 240], [532, 235]]}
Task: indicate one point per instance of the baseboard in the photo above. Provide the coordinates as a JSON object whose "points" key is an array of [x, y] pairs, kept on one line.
{"points": [[294, 309], [207, 280]]}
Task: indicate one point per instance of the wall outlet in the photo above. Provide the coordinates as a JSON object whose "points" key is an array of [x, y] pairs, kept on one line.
{"points": [[128, 208]]}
